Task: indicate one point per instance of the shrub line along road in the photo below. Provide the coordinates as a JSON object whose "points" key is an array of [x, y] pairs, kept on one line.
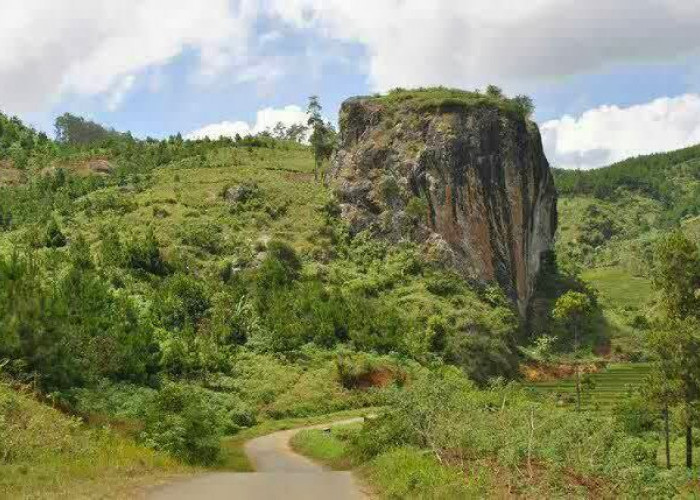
{"points": [[280, 474]]}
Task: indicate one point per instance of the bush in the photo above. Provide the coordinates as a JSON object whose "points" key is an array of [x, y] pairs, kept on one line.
{"points": [[446, 417], [145, 255], [186, 423], [205, 236], [182, 300], [53, 236]]}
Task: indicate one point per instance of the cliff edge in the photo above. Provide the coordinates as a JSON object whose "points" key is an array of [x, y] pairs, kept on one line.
{"points": [[462, 173]]}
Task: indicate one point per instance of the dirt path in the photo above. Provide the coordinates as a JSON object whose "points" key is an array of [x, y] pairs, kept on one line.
{"points": [[280, 474]]}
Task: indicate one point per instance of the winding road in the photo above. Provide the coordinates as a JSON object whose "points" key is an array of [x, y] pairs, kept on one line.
{"points": [[280, 474]]}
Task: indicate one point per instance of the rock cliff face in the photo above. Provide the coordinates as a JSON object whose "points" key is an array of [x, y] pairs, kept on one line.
{"points": [[470, 182]]}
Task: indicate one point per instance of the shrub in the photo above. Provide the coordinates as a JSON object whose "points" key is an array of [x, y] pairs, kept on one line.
{"points": [[183, 421], [417, 208], [53, 236], [206, 236], [145, 255]]}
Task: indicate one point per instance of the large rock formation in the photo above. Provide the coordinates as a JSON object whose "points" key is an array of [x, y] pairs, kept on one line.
{"points": [[466, 178]]}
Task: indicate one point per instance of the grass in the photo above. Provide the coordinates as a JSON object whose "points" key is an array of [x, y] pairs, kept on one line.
{"points": [[623, 298], [287, 205], [408, 472], [329, 448], [405, 472], [425, 99], [46, 454], [618, 288], [608, 386], [234, 457]]}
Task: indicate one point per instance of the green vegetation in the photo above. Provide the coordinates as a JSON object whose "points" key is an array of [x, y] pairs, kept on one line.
{"points": [[327, 447], [446, 98], [601, 390], [194, 294], [610, 220], [187, 290], [442, 437], [45, 454]]}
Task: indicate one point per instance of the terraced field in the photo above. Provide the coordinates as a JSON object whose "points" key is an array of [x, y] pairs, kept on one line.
{"points": [[600, 391]]}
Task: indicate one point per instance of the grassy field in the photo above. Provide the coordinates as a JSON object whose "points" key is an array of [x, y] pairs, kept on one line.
{"points": [[625, 300], [605, 389], [618, 288], [45, 454]]}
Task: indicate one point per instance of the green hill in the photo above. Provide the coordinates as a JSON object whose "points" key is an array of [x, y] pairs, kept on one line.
{"points": [[198, 287], [609, 220]]}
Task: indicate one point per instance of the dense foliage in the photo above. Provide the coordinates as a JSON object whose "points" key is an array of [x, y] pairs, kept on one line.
{"points": [[670, 178], [194, 287]]}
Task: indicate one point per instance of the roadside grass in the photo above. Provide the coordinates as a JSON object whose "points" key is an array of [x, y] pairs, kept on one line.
{"points": [[605, 389], [233, 452], [404, 472], [329, 448], [408, 472], [46, 454]]}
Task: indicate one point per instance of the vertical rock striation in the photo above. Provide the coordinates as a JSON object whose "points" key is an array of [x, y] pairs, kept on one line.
{"points": [[467, 178]]}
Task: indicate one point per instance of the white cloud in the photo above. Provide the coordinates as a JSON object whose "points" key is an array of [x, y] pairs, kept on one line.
{"points": [[472, 42], [49, 49], [89, 47], [119, 92], [266, 119], [608, 134]]}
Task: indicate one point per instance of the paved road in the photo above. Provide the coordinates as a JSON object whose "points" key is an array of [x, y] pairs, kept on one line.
{"points": [[280, 474]]}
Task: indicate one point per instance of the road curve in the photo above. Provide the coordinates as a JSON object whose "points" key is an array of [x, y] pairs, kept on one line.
{"points": [[280, 474]]}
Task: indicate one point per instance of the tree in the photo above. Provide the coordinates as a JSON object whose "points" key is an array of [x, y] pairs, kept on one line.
{"points": [[75, 130], [53, 236], [297, 132], [676, 343], [572, 309], [662, 392], [322, 135], [494, 91], [676, 275], [525, 104], [676, 347]]}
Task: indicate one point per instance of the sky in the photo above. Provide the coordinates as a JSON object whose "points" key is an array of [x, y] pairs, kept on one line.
{"points": [[610, 78]]}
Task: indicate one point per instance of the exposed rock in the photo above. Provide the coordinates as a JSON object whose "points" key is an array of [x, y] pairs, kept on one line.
{"points": [[100, 167], [241, 193], [469, 182]]}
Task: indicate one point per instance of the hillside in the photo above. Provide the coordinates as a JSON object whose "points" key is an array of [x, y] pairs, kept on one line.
{"points": [[194, 288], [190, 293], [45, 454], [610, 219]]}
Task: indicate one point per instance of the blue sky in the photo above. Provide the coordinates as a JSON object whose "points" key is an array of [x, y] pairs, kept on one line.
{"points": [[610, 78]]}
